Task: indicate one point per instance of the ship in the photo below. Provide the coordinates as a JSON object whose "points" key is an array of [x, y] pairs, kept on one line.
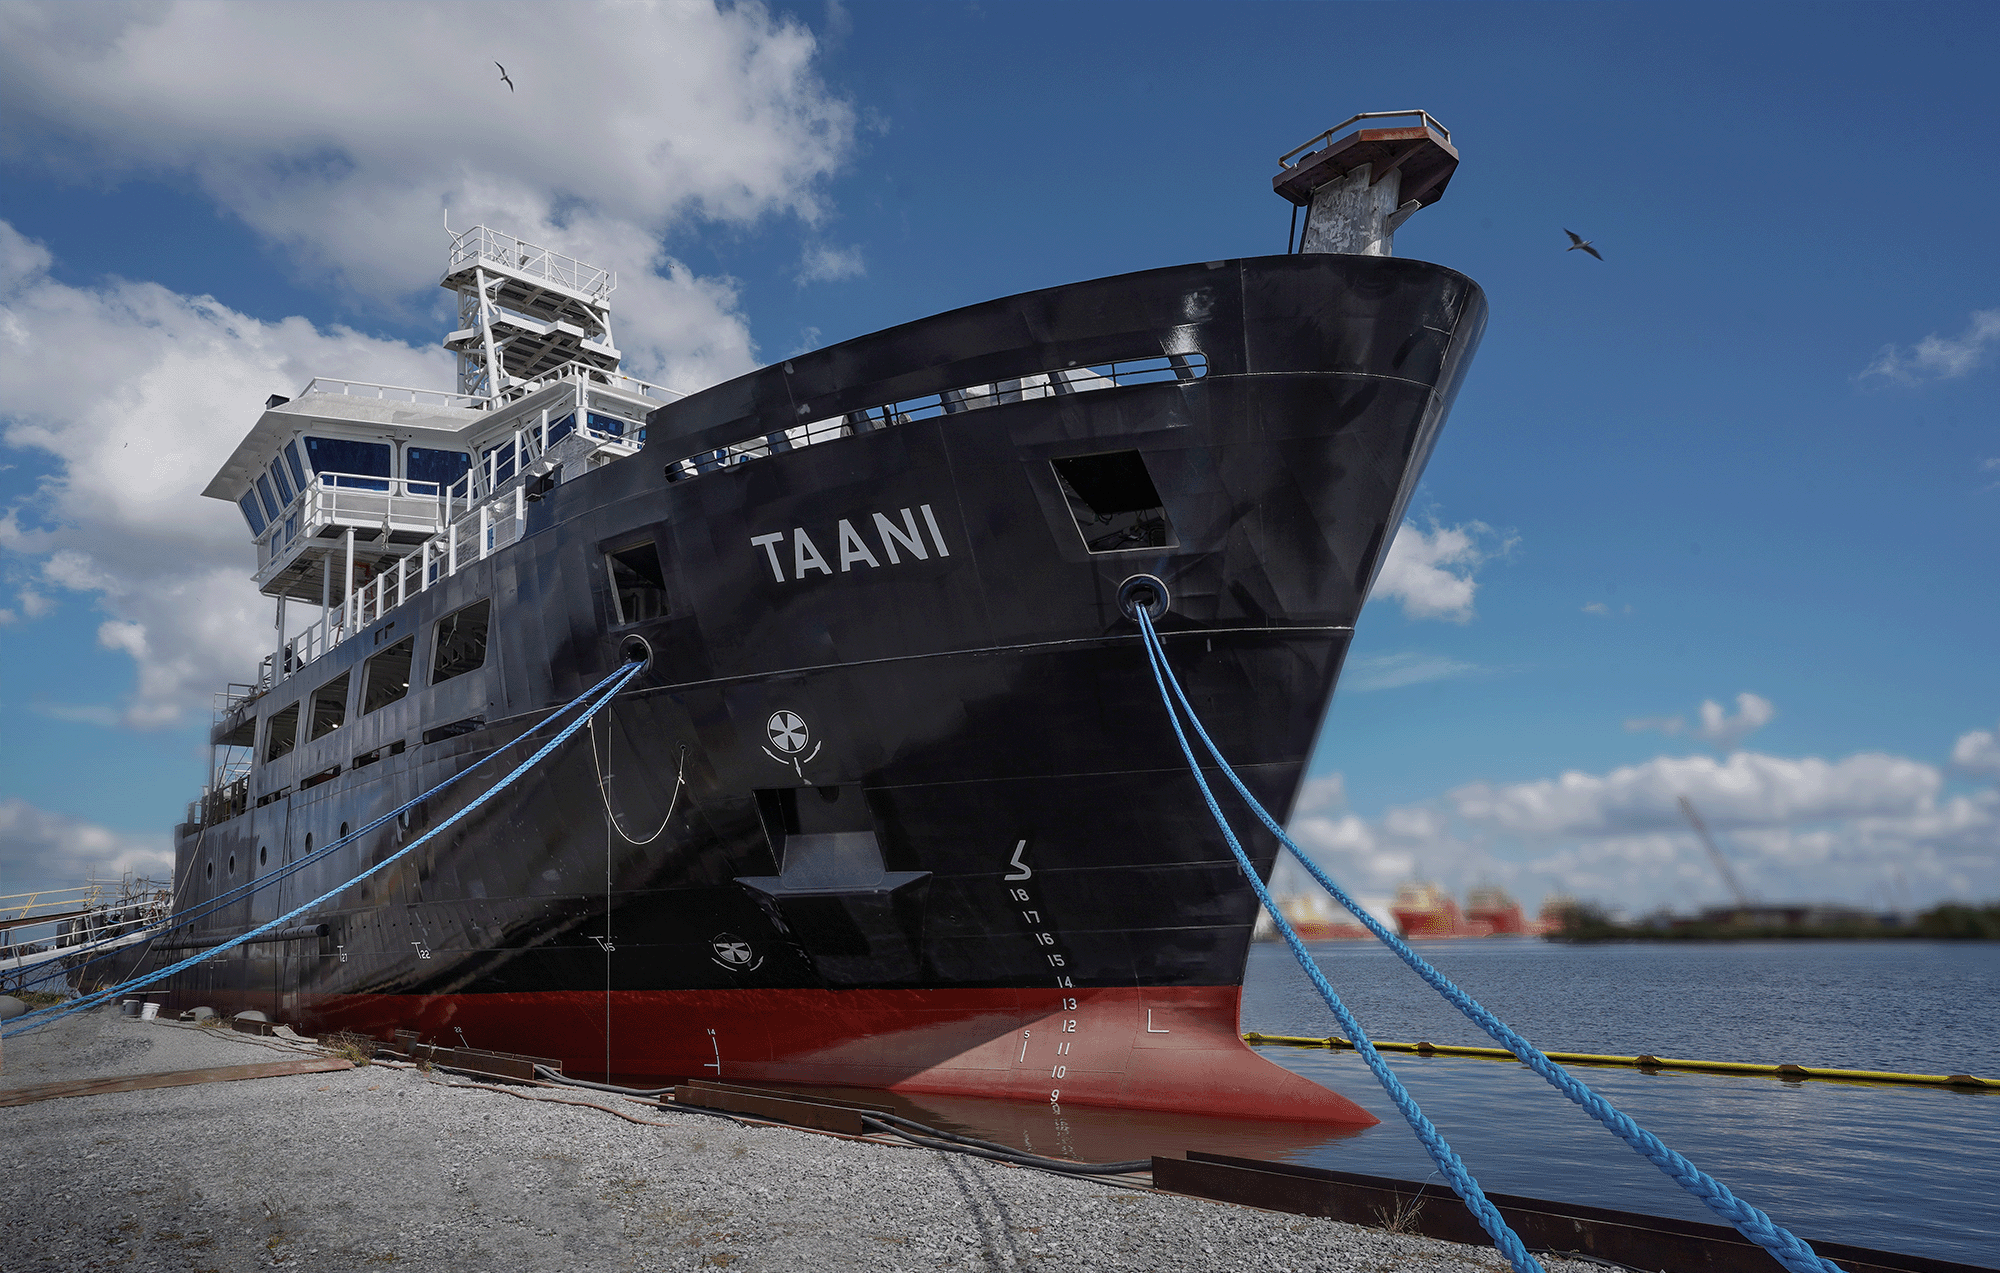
{"points": [[893, 801], [1489, 904], [1422, 910], [1313, 917]]}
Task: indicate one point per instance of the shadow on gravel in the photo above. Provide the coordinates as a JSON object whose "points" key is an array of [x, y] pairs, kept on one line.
{"points": [[997, 1243]]}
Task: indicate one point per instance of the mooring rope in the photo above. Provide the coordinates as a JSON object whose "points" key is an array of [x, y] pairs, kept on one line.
{"points": [[1441, 1152], [617, 679], [1784, 1246], [66, 966]]}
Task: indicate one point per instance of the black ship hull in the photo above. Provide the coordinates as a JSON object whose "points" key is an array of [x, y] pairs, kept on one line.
{"points": [[894, 802]]}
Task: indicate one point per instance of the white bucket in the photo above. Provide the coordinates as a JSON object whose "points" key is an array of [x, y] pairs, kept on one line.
{"points": [[128, 1008], [149, 1011]]}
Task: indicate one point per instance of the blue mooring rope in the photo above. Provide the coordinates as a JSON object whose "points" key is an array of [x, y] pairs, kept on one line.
{"points": [[1784, 1246], [1441, 1152], [65, 967], [619, 680]]}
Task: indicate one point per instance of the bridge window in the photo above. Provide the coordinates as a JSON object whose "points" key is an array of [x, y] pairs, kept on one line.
{"points": [[329, 707], [291, 454], [271, 504], [638, 585], [284, 483], [354, 462], [250, 513], [461, 642], [560, 429], [437, 468], [1114, 502], [282, 733], [608, 424], [386, 676]]}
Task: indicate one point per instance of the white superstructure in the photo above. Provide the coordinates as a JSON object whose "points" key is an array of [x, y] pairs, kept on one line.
{"points": [[359, 495]]}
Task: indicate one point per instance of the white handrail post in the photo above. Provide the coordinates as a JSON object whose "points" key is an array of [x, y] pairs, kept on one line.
{"points": [[347, 591], [520, 512], [402, 589], [451, 551], [485, 520]]}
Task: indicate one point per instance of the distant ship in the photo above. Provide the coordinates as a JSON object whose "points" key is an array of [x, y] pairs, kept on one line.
{"points": [[1489, 905], [1313, 917], [1424, 910]]}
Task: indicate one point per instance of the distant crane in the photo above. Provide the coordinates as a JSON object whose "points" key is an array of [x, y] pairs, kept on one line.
{"points": [[1715, 854]]}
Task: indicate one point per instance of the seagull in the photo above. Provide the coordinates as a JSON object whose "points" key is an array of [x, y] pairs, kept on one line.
{"points": [[1577, 241], [510, 88]]}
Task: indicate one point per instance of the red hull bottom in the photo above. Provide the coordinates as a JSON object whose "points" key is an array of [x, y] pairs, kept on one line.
{"points": [[1151, 1049]]}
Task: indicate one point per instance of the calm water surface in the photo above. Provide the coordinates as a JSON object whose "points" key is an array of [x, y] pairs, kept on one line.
{"points": [[1915, 1170]]}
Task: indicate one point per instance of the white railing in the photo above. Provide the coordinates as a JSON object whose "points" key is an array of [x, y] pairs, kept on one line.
{"points": [[354, 499], [587, 374], [475, 518], [480, 243], [393, 393]]}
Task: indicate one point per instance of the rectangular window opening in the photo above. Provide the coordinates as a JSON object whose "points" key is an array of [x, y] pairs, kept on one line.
{"points": [[386, 676], [1114, 502], [281, 734], [350, 462], [284, 483], [638, 585], [329, 707], [460, 646], [453, 730], [432, 472]]}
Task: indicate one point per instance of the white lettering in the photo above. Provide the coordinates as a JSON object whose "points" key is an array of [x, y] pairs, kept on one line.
{"points": [[769, 543], [936, 537], [805, 556], [914, 541], [853, 548]]}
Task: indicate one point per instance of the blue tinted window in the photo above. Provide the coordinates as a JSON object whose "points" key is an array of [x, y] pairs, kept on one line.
{"points": [[250, 514], [441, 468], [560, 429], [350, 458], [291, 454], [284, 485], [608, 424], [271, 505]]}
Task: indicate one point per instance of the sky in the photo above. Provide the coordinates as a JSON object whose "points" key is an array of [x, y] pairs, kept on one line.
{"points": [[1714, 516]]}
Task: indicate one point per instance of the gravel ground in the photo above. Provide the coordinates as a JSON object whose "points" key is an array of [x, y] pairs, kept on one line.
{"points": [[383, 1167]]}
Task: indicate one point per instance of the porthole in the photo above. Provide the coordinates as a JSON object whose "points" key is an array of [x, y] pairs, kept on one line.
{"points": [[263, 855], [232, 864], [211, 870], [309, 842]]}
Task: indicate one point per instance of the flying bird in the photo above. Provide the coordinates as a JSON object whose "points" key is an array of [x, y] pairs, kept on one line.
{"points": [[1577, 241], [510, 88]]}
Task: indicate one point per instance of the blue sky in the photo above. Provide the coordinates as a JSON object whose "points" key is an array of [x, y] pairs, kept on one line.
{"points": [[1752, 451]]}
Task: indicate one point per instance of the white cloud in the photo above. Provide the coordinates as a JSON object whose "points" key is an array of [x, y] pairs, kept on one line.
{"points": [[1747, 789], [819, 263], [1724, 731], [40, 849], [1717, 728], [343, 135], [1938, 357], [1602, 610], [1392, 671], [1871, 830], [1977, 752], [1432, 572], [1317, 795], [140, 394]]}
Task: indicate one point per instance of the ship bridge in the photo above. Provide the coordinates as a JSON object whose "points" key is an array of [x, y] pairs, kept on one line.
{"points": [[359, 495]]}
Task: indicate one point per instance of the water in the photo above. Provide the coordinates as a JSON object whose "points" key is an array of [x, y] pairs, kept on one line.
{"points": [[1908, 1169]]}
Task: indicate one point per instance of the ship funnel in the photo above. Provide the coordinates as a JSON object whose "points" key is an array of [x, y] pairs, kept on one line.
{"points": [[1359, 183]]}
